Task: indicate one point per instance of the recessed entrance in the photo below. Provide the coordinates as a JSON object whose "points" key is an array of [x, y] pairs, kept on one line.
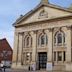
{"points": [[42, 60]]}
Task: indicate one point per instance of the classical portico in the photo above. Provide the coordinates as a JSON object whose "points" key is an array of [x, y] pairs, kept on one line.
{"points": [[42, 39]]}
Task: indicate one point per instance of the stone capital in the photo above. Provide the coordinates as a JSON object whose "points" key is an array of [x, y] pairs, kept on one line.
{"points": [[50, 29], [16, 33], [69, 27], [21, 33], [35, 32]]}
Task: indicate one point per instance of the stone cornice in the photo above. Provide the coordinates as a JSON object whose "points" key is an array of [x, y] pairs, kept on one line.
{"points": [[46, 20]]}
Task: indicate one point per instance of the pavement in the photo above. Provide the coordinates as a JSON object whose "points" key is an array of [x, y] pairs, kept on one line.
{"points": [[21, 70]]}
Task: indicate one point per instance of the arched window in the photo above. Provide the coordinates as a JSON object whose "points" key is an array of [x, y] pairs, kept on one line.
{"points": [[28, 41], [59, 38], [27, 44], [42, 39]]}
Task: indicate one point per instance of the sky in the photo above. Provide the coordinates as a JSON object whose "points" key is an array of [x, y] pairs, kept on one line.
{"points": [[10, 10]]}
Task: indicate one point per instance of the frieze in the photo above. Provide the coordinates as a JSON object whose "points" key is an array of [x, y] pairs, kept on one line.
{"points": [[44, 26]]}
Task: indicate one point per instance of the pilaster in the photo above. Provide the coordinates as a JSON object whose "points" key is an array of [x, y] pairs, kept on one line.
{"points": [[33, 33], [20, 49], [68, 44], [50, 50], [68, 52], [15, 50]]}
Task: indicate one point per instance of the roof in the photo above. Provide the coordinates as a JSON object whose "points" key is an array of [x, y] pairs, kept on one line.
{"points": [[4, 45], [22, 17]]}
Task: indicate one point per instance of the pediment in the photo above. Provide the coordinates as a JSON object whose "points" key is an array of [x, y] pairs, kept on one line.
{"points": [[43, 12]]}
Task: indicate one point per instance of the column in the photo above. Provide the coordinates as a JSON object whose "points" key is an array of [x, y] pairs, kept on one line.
{"points": [[62, 56], [23, 58], [15, 54], [50, 50], [20, 50], [56, 56], [68, 43], [34, 49], [68, 51]]}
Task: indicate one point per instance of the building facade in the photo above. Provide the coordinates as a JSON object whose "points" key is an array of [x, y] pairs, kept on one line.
{"points": [[43, 38], [5, 52]]}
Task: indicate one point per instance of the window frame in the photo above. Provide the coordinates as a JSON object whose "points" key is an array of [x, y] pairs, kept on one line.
{"points": [[26, 41], [56, 38], [45, 40]]}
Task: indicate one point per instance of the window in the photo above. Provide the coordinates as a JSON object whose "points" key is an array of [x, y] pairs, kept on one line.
{"points": [[64, 54], [54, 56], [42, 40], [28, 41], [59, 38], [59, 56]]}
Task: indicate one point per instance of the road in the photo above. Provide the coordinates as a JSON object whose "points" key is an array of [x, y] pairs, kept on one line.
{"points": [[19, 70]]}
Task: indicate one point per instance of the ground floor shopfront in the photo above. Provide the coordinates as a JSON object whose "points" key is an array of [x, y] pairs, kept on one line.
{"points": [[42, 63]]}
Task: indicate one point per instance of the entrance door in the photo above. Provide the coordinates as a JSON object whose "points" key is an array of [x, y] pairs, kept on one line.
{"points": [[42, 57]]}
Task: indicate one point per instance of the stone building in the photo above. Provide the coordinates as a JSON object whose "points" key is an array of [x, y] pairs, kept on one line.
{"points": [[43, 38]]}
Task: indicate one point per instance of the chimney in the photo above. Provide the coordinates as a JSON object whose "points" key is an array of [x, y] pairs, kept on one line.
{"points": [[44, 1]]}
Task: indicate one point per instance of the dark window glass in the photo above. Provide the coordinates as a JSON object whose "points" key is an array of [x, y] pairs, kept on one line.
{"points": [[42, 40], [54, 56], [59, 37], [64, 39], [46, 40], [64, 55], [39, 41], [59, 56], [27, 44], [55, 39]]}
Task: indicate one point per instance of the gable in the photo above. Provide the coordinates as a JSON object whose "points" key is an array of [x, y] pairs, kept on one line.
{"points": [[4, 45], [50, 12]]}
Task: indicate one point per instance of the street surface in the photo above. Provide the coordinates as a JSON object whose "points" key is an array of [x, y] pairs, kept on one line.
{"points": [[19, 70]]}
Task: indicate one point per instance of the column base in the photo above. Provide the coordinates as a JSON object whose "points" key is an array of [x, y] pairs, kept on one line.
{"points": [[49, 66], [69, 66], [16, 66], [13, 65]]}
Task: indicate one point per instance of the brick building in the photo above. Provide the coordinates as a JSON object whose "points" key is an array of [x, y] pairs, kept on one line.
{"points": [[5, 51]]}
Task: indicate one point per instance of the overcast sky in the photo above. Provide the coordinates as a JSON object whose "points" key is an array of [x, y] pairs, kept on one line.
{"points": [[10, 10]]}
